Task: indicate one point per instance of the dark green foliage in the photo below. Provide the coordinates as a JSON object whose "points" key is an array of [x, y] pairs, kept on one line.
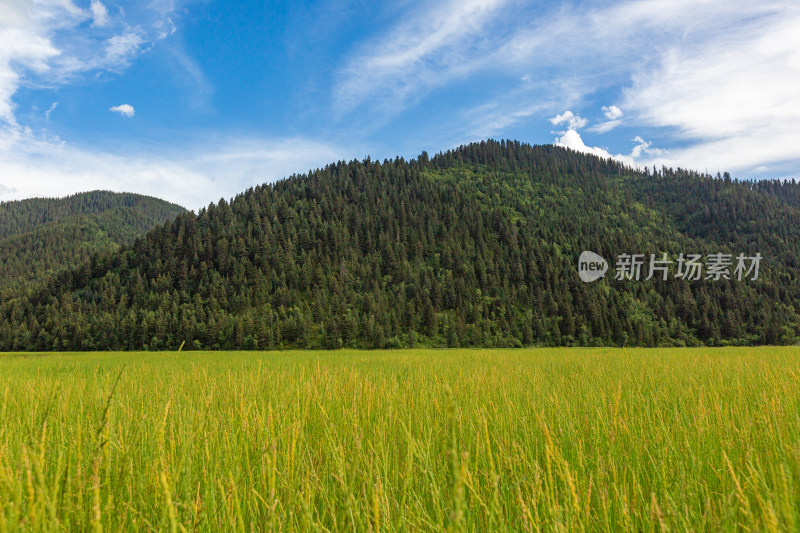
{"points": [[41, 236], [474, 247]]}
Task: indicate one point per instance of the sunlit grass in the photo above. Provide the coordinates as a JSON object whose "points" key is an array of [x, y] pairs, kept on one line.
{"points": [[540, 439]]}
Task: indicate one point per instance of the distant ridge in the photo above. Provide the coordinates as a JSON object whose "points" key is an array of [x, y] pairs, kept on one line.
{"points": [[40, 236], [20, 216]]}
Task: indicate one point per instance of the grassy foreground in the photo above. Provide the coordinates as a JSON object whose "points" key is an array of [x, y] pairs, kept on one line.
{"points": [[540, 439]]}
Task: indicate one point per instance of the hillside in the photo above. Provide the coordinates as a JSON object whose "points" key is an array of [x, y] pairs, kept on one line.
{"points": [[41, 236], [474, 247]]}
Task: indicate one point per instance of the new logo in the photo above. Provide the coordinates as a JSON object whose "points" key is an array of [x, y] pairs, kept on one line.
{"points": [[591, 267]]}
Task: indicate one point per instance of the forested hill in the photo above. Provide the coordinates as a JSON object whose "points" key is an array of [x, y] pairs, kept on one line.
{"points": [[41, 236], [477, 246]]}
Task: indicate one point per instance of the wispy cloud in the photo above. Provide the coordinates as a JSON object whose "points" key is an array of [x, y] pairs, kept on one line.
{"points": [[614, 116], [734, 98], [20, 49], [49, 43], [120, 48], [429, 48], [192, 176], [492, 118], [50, 110], [605, 127], [99, 14], [4, 190], [189, 74]]}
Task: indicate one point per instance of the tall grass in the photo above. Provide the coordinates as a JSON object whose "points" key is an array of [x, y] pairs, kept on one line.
{"points": [[522, 440]]}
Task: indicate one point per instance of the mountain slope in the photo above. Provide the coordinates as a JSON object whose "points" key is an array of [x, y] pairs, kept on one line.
{"points": [[41, 236], [474, 247]]}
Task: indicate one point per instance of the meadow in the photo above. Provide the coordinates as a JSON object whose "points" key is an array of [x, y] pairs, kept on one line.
{"points": [[415, 440]]}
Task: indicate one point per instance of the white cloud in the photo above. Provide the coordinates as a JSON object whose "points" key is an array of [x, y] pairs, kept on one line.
{"points": [[126, 110], [568, 118], [645, 148], [32, 165], [573, 140], [612, 112], [99, 14]]}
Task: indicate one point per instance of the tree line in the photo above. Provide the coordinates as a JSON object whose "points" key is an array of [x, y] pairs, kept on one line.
{"points": [[476, 246]]}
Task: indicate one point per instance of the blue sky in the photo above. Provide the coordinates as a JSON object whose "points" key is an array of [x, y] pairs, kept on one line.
{"points": [[196, 100]]}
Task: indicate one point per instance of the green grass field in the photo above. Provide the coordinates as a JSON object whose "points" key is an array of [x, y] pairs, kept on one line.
{"points": [[523, 440]]}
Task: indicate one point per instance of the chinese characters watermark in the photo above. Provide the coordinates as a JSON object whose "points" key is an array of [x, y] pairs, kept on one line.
{"points": [[690, 267]]}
